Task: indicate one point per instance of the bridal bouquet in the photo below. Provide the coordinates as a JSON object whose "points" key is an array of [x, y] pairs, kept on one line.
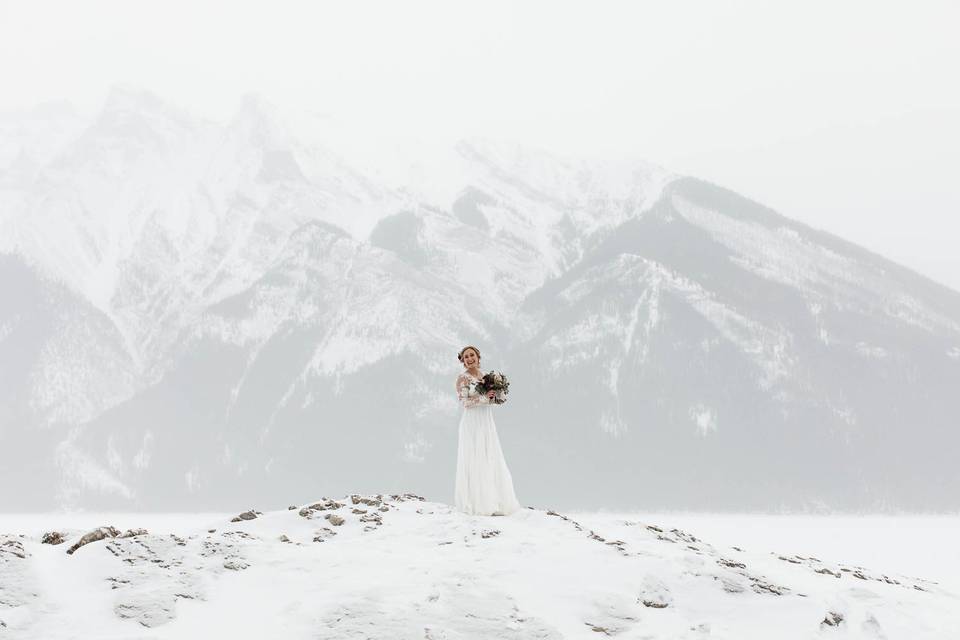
{"points": [[494, 381]]}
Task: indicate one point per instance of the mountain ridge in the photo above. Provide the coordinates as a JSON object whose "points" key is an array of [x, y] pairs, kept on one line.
{"points": [[271, 304]]}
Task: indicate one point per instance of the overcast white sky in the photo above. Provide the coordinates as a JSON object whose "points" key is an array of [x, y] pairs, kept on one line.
{"points": [[844, 115]]}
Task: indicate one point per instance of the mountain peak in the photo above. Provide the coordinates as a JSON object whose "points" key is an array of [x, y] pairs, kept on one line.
{"points": [[133, 114], [259, 120], [129, 97]]}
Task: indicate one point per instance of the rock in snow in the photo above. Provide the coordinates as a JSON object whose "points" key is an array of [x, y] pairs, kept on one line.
{"points": [[246, 515], [425, 570], [104, 532], [833, 619], [53, 537], [97, 534]]}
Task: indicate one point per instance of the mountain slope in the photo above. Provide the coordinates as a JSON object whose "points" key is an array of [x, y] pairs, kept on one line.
{"points": [[239, 297], [738, 361]]}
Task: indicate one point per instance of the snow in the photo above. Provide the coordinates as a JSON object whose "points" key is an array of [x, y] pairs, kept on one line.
{"points": [[141, 460], [915, 544], [430, 572], [769, 347], [783, 255], [77, 377], [705, 418], [414, 450], [612, 424], [81, 471], [871, 351]]}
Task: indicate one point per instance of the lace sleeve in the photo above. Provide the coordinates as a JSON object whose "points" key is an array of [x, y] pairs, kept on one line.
{"points": [[467, 395]]}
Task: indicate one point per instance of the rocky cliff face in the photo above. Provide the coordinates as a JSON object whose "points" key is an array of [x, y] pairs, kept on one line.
{"points": [[194, 312]]}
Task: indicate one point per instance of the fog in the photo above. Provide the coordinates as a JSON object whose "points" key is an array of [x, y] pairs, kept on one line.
{"points": [[844, 116], [226, 227]]}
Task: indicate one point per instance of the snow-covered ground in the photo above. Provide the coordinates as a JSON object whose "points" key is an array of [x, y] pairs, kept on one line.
{"points": [[408, 568], [922, 545]]}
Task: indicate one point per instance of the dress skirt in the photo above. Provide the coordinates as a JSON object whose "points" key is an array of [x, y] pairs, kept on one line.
{"points": [[484, 485]]}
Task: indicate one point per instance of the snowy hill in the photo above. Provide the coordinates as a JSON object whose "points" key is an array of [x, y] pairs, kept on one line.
{"points": [[196, 312], [401, 567]]}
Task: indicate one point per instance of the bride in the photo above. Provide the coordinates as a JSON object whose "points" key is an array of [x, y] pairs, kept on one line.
{"points": [[483, 486]]}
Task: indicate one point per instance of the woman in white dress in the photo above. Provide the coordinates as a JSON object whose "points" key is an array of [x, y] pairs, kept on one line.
{"points": [[484, 486]]}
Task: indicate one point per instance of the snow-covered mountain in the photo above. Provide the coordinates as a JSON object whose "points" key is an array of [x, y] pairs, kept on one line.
{"points": [[194, 312], [396, 566]]}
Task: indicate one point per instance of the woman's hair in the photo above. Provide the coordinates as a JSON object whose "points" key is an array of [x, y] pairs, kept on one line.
{"points": [[469, 346]]}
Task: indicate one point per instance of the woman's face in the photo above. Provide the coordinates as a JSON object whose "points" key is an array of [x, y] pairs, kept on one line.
{"points": [[470, 359]]}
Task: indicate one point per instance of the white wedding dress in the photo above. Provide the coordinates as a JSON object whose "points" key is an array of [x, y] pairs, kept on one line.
{"points": [[483, 486]]}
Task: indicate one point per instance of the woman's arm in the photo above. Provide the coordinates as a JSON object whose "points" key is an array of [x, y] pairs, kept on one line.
{"points": [[466, 398]]}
